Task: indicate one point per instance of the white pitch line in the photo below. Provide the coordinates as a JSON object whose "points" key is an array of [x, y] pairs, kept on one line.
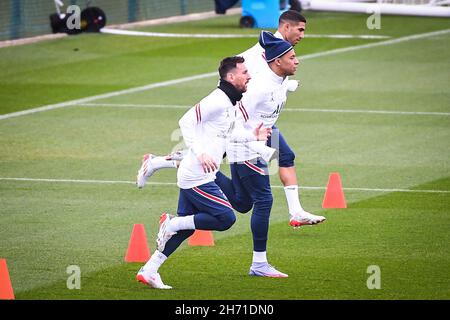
{"points": [[107, 95], [376, 44], [211, 74], [162, 106], [174, 184], [129, 105], [346, 36], [408, 113], [225, 35]]}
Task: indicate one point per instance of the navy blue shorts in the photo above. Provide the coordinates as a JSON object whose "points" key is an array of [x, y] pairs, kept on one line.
{"points": [[207, 198], [286, 157]]}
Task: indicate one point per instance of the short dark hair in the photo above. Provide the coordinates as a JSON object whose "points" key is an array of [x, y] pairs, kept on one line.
{"points": [[228, 64], [291, 16]]}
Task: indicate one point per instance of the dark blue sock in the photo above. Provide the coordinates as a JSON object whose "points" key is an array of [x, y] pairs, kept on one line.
{"points": [[176, 241]]}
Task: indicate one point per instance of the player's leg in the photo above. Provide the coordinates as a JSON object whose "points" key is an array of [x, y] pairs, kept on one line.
{"points": [[206, 209], [152, 163], [234, 190], [148, 274], [288, 177], [203, 208], [214, 211], [257, 183]]}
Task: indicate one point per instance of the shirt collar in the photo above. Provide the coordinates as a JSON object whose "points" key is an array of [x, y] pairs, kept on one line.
{"points": [[273, 76], [278, 35], [232, 93]]}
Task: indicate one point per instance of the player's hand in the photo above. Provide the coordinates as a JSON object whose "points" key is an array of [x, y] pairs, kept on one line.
{"points": [[208, 163], [262, 134], [292, 85]]}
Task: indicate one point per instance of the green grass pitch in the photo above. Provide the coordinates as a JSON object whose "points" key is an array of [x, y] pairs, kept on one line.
{"points": [[398, 140]]}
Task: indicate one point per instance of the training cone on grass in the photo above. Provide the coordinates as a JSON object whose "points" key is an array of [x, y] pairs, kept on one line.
{"points": [[6, 290], [201, 238], [138, 250], [334, 196]]}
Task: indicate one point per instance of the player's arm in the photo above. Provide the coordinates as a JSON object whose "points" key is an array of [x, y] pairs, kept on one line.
{"points": [[249, 104], [248, 127], [243, 134], [191, 125], [187, 125]]}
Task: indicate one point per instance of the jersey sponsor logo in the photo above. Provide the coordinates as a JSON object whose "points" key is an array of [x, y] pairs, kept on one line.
{"points": [[275, 112]]}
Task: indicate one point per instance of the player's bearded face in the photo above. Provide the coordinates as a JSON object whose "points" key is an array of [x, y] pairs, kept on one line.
{"points": [[241, 77], [296, 32]]}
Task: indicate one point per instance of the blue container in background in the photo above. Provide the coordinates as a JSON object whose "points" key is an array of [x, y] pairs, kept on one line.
{"points": [[262, 13]]}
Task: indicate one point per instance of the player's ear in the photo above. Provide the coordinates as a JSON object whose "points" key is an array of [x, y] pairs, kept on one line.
{"points": [[287, 26]]}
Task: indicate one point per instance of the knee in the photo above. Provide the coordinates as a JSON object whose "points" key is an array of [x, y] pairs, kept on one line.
{"points": [[264, 204], [287, 159], [227, 220], [243, 207]]}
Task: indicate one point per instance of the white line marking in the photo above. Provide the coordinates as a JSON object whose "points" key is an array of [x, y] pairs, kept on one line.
{"points": [[227, 35], [376, 44], [152, 22], [107, 95], [174, 184], [175, 19], [294, 109], [346, 36], [409, 113], [211, 74], [129, 105], [175, 35]]}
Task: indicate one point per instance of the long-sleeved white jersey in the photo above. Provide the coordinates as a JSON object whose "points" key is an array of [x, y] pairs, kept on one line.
{"points": [[207, 128], [263, 101], [265, 98]]}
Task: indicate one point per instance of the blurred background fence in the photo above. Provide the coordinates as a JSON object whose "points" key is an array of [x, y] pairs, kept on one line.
{"points": [[27, 18]]}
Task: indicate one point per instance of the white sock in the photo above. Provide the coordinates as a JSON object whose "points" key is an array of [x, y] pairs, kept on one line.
{"points": [[181, 223], [259, 256], [155, 261], [162, 162], [293, 199]]}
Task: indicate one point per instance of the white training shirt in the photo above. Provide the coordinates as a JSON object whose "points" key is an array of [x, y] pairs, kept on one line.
{"points": [[249, 112], [262, 103], [265, 98], [207, 128]]}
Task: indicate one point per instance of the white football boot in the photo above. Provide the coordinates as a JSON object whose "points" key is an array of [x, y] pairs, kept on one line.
{"points": [[153, 280], [305, 218], [145, 171], [163, 234], [264, 269]]}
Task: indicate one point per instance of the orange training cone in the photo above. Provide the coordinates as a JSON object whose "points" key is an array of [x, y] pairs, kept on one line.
{"points": [[137, 248], [334, 196], [6, 290], [201, 238]]}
